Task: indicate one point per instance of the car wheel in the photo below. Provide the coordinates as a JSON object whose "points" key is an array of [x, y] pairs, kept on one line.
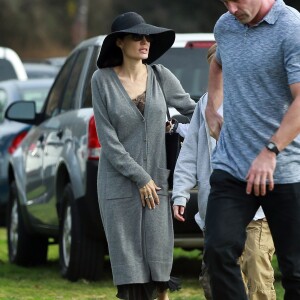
{"points": [[80, 256], [23, 248]]}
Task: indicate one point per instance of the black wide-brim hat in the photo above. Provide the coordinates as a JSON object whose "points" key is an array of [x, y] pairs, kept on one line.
{"points": [[131, 22]]}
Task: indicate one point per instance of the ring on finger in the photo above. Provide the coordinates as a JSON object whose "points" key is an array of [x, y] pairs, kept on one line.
{"points": [[150, 197], [146, 198]]}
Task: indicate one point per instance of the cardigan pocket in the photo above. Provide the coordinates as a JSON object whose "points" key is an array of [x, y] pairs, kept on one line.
{"points": [[161, 180], [117, 186]]}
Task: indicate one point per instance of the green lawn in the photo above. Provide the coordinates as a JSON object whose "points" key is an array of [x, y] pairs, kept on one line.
{"points": [[45, 283]]}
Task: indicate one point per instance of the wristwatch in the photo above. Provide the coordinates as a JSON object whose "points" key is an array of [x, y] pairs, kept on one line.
{"points": [[271, 146]]}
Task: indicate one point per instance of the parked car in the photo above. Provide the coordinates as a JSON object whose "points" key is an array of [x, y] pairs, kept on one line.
{"points": [[11, 66], [53, 172], [57, 61], [12, 133], [40, 70]]}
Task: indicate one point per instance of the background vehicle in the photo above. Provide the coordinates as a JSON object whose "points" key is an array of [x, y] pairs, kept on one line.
{"points": [[56, 61], [11, 66], [40, 70], [12, 133], [187, 60], [53, 173]]}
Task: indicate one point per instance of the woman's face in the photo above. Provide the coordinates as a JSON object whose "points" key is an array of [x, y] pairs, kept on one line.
{"points": [[134, 46]]}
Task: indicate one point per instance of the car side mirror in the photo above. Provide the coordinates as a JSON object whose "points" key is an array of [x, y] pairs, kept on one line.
{"points": [[21, 111]]}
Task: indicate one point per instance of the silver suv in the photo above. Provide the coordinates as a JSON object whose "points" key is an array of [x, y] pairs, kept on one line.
{"points": [[53, 173]]}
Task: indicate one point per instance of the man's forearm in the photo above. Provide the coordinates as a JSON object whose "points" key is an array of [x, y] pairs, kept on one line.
{"points": [[289, 128], [215, 86], [215, 99]]}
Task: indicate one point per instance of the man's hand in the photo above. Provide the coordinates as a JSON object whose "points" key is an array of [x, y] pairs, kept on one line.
{"points": [[261, 173]]}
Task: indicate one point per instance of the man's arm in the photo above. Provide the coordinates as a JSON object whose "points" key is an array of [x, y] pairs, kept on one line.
{"points": [[263, 167], [290, 125], [215, 98]]}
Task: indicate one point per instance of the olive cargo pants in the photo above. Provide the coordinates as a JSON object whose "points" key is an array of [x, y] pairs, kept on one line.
{"points": [[255, 262]]}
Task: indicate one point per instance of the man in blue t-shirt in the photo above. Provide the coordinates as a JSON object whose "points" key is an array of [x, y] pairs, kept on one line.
{"points": [[257, 158]]}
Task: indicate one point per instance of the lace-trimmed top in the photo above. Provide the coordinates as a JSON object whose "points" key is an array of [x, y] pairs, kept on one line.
{"points": [[139, 101]]}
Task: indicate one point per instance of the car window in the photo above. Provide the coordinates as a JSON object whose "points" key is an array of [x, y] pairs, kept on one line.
{"points": [[7, 70], [87, 95], [68, 98], [190, 66], [56, 93], [3, 102], [63, 91]]}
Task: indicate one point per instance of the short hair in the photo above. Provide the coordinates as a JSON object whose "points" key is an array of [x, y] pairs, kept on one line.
{"points": [[211, 52]]}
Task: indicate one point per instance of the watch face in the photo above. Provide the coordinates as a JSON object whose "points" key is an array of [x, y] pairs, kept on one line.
{"points": [[272, 147]]}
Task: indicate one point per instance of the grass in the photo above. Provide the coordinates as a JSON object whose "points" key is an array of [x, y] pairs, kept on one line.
{"points": [[45, 282]]}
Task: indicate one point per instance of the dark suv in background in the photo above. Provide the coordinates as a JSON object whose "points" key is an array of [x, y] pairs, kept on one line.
{"points": [[53, 173]]}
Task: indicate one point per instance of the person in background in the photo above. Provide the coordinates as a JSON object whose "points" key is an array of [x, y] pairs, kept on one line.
{"points": [[193, 168], [257, 159], [130, 113]]}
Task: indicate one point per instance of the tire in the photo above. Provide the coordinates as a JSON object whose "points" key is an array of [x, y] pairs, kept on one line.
{"points": [[80, 256], [24, 249]]}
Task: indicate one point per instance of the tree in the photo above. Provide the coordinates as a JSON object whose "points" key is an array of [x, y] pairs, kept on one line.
{"points": [[41, 28]]}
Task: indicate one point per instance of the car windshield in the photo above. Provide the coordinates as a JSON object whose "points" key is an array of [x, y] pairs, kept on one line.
{"points": [[190, 67]]}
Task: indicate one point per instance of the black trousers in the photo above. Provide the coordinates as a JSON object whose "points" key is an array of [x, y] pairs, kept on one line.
{"points": [[229, 211]]}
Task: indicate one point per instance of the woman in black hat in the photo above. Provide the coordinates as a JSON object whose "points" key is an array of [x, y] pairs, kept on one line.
{"points": [[129, 100]]}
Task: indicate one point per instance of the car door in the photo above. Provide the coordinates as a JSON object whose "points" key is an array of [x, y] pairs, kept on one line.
{"points": [[44, 147], [33, 167], [58, 138]]}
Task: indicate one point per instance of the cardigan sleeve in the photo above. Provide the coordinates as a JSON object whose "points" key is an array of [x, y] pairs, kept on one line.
{"points": [[112, 148], [175, 95]]}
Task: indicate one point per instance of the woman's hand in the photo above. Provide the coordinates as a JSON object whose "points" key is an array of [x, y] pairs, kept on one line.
{"points": [[148, 194], [169, 126]]}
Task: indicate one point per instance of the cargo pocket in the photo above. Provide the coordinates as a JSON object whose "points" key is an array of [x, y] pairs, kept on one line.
{"points": [[117, 186]]}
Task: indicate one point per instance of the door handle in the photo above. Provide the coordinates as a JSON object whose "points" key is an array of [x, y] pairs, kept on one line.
{"points": [[41, 138], [60, 133]]}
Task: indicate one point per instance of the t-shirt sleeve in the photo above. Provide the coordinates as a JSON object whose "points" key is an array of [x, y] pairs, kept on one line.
{"points": [[292, 56]]}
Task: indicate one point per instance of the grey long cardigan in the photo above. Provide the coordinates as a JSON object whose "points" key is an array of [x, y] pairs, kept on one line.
{"points": [[140, 240]]}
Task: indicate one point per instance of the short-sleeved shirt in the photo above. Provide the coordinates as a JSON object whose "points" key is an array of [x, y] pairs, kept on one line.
{"points": [[259, 63]]}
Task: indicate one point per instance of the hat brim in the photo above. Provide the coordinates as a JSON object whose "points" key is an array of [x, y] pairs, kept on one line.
{"points": [[111, 55]]}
